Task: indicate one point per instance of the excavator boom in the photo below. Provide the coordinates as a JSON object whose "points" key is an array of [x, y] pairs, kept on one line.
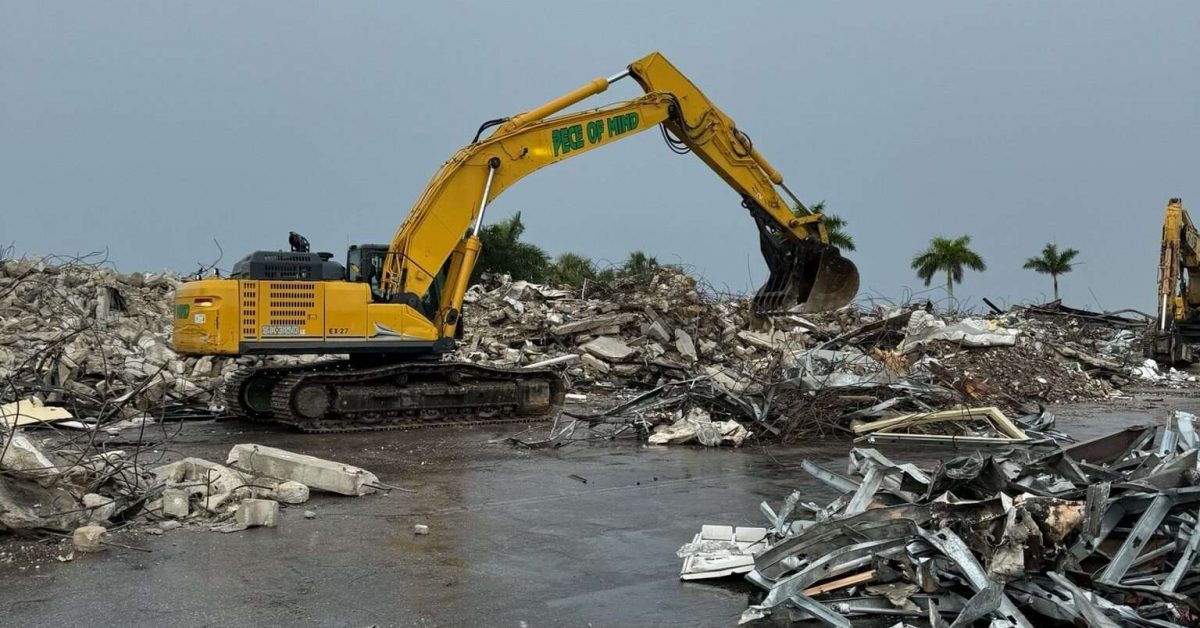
{"points": [[804, 269]]}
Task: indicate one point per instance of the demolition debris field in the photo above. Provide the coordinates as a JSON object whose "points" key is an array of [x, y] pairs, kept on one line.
{"points": [[513, 537], [120, 466]]}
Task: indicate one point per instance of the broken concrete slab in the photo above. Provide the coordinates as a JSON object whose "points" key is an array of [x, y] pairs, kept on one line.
{"points": [[24, 456], [596, 364], [685, 345], [316, 473], [216, 484], [609, 349], [27, 505], [579, 327], [658, 331], [99, 508], [253, 513]]}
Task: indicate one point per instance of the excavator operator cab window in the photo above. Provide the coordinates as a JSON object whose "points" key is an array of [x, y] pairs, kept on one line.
{"points": [[364, 264]]}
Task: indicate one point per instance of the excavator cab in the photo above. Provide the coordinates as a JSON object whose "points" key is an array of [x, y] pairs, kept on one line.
{"points": [[364, 264]]}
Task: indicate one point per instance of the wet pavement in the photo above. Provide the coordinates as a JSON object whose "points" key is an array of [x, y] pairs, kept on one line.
{"points": [[514, 539]]}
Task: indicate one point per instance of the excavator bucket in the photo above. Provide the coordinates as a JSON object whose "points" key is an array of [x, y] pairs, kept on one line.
{"points": [[808, 273]]}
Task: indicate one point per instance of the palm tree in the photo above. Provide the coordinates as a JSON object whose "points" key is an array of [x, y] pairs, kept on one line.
{"points": [[639, 264], [835, 227], [1053, 262], [571, 269], [503, 252], [950, 256]]}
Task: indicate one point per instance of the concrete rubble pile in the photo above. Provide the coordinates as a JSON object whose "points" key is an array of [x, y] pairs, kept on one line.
{"points": [[64, 486], [803, 374], [667, 328], [1099, 533], [1016, 360], [657, 330], [96, 341]]}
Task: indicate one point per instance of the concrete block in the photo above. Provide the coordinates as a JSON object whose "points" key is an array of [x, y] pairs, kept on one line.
{"points": [[175, 503], [100, 508], [594, 363], [316, 473], [22, 454], [291, 492], [257, 512], [658, 331], [89, 539], [683, 342]]}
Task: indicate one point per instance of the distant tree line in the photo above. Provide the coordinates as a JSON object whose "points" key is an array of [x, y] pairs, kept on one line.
{"points": [[504, 252]]}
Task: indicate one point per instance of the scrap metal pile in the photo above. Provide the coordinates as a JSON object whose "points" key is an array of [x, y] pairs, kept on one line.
{"points": [[1099, 533]]}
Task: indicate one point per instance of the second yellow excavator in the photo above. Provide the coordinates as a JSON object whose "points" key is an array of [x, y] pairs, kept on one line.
{"points": [[395, 309], [1177, 325]]}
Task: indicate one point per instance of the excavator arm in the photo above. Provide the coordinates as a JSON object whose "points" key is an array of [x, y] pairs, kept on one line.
{"points": [[441, 231]]}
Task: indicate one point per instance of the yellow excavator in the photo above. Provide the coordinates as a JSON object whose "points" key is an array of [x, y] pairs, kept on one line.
{"points": [[1177, 326], [395, 310]]}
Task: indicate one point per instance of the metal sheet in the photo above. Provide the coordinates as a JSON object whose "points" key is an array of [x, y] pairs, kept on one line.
{"points": [[949, 543], [829, 478], [826, 537], [1138, 536], [832, 564], [819, 611], [1185, 425], [1185, 560], [1087, 610], [980, 605], [1113, 447], [866, 491]]}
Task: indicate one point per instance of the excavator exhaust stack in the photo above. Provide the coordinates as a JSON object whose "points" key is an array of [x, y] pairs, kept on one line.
{"points": [[808, 273]]}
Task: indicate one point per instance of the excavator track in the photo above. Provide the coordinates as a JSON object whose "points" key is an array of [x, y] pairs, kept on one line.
{"points": [[248, 392], [337, 396]]}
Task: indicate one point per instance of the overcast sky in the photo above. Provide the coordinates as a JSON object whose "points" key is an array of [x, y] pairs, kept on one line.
{"points": [[153, 128]]}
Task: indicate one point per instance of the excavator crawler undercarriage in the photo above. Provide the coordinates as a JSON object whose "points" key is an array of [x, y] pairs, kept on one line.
{"points": [[338, 396]]}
